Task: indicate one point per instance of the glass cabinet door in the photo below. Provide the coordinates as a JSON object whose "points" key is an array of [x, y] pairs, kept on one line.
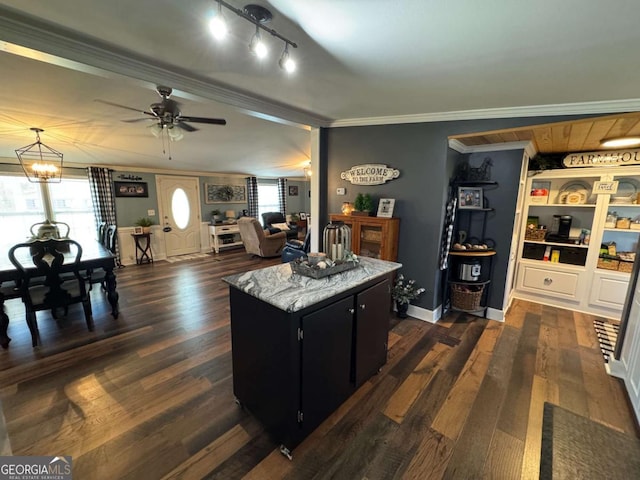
{"points": [[371, 241]]}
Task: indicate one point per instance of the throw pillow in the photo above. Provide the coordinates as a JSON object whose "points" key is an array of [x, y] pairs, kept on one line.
{"points": [[281, 226]]}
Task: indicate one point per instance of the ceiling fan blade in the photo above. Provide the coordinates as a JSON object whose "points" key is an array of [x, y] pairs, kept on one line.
{"points": [[125, 107], [185, 126], [134, 120], [212, 121]]}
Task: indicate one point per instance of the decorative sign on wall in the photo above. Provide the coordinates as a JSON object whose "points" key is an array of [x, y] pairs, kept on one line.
{"points": [[602, 159], [602, 187], [224, 193], [131, 189], [370, 174]]}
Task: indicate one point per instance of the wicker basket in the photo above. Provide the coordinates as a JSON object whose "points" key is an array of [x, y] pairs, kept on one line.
{"points": [[466, 297], [536, 234], [608, 263], [625, 266]]}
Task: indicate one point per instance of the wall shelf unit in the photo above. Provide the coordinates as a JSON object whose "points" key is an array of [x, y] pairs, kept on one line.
{"points": [[574, 272]]}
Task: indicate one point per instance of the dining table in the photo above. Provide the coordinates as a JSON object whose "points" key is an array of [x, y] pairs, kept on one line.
{"points": [[94, 257]]}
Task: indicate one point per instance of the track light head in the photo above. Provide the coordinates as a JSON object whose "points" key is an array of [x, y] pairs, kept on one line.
{"points": [[287, 63], [218, 25], [257, 46]]}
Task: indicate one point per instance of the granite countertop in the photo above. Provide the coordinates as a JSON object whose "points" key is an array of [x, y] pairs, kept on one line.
{"points": [[291, 292]]}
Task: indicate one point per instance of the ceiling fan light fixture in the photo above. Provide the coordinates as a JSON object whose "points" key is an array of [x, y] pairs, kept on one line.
{"points": [[175, 134], [40, 163], [156, 129], [617, 142], [287, 63], [218, 25]]}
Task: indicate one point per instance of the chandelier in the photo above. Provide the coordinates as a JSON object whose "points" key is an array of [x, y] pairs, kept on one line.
{"points": [[41, 163], [257, 15]]}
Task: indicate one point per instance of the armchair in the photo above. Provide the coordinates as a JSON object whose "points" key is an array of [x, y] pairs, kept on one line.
{"points": [[271, 219], [258, 242]]}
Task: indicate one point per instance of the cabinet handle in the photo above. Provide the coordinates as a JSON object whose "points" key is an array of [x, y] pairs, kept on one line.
{"points": [[362, 306], [548, 281], [351, 311]]}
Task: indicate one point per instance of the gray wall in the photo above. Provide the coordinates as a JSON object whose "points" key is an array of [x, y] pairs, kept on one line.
{"points": [[420, 151], [301, 202]]}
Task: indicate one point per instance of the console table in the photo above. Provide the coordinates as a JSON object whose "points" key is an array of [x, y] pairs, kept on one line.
{"points": [[218, 231], [143, 250]]}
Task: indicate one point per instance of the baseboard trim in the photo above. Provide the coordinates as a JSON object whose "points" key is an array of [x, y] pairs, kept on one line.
{"points": [[432, 316]]}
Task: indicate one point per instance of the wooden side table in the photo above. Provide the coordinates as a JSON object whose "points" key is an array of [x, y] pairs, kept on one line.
{"points": [[217, 231], [143, 249]]}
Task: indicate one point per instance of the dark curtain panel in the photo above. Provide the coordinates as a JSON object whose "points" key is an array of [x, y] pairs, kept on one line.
{"points": [[104, 205], [252, 196], [282, 195]]}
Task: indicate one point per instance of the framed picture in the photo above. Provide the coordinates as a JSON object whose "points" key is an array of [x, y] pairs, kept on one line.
{"points": [[385, 207], [131, 189], [470, 198], [137, 230], [303, 216], [293, 190], [225, 193]]}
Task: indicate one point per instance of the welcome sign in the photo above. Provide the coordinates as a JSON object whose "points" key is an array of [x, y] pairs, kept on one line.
{"points": [[602, 159], [370, 174]]}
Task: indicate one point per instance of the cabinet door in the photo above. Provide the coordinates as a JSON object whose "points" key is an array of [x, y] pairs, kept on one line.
{"points": [[371, 240], [372, 331], [326, 361]]}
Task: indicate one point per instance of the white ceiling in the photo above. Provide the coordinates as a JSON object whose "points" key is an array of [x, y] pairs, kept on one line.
{"points": [[359, 63]]}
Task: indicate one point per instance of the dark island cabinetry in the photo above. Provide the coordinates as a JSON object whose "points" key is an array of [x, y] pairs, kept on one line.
{"points": [[291, 370]]}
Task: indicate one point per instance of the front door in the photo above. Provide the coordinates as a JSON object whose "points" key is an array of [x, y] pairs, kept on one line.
{"points": [[178, 198]]}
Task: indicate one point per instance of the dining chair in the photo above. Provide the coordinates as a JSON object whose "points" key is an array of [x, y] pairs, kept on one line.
{"points": [[54, 260], [102, 233], [100, 276]]}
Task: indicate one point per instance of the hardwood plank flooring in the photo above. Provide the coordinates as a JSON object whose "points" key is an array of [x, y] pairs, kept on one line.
{"points": [[149, 395]]}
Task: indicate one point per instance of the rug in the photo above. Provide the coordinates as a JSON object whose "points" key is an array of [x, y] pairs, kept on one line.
{"points": [[192, 256], [574, 447], [607, 335]]}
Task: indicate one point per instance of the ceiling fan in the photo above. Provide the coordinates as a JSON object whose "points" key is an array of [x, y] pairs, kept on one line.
{"points": [[167, 115]]}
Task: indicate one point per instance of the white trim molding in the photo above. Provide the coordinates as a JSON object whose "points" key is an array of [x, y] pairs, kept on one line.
{"points": [[460, 147], [585, 108]]}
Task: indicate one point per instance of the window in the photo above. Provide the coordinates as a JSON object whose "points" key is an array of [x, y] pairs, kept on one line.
{"points": [[23, 204], [268, 200]]}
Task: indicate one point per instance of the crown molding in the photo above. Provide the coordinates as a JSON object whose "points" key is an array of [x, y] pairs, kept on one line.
{"points": [[585, 108], [33, 38], [460, 147]]}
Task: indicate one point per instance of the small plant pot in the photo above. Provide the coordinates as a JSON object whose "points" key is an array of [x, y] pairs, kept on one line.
{"points": [[402, 309], [146, 229]]}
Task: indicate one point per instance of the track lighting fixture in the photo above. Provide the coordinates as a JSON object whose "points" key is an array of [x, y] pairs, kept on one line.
{"points": [[257, 46], [257, 15], [218, 25], [286, 62]]}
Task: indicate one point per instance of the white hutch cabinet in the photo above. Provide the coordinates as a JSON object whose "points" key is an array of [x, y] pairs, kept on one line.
{"points": [[573, 272]]}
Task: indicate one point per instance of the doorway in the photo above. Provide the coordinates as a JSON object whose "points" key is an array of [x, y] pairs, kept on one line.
{"points": [[178, 200]]}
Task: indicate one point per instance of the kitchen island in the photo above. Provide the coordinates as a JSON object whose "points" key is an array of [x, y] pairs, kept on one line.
{"points": [[301, 346]]}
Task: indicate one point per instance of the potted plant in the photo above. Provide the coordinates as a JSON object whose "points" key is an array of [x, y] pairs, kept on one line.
{"points": [[363, 205], [216, 216], [145, 223], [403, 292]]}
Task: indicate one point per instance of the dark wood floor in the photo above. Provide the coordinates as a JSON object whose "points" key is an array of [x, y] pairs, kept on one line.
{"points": [[150, 395]]}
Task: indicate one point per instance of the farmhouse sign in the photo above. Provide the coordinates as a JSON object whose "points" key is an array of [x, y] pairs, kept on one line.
{"points": [[370, 174], [602, 159]]}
